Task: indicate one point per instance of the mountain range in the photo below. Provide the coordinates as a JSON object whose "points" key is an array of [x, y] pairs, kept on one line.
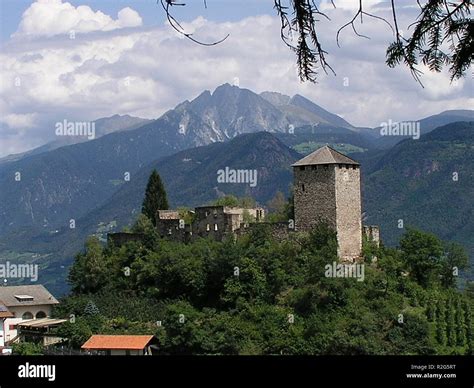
{"points": [[100, 183]]}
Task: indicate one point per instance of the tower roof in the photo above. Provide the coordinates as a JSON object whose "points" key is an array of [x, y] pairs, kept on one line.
{"points": [[325, 155]]}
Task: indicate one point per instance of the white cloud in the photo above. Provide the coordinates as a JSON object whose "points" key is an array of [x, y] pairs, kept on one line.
{"points": [[146, 71], [53, 17], [19, 121]]}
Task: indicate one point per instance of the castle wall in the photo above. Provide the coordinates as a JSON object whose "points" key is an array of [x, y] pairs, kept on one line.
{"points": [[372, 233], [121, 238], [278, 230], [170, 228], [314, 196], [348, 211], [213, 221]]}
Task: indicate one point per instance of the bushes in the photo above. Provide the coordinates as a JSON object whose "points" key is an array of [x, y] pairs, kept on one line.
{"points": [[27, 349], [260, 296]]}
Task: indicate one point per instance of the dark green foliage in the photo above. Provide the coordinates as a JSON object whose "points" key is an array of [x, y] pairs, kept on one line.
{"points": [[88, 274], [460, 324], [441, 322], [422, 252], [155, 197], [27, 349], [454, 260], [469, 328], [256, 295], [91, 309], [420, 174], [450, 322], [233, 201]]}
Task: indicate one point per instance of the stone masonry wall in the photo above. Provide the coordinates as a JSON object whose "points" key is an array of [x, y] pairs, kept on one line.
{"points": [[316, 201], [348, 211]]}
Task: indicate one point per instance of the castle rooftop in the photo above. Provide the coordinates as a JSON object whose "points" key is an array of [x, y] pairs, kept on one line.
{"points": [[325, 155]]}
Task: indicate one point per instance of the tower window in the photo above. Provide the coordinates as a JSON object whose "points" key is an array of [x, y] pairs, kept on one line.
{"points": [[208, 227], [302, 187], [215, 227]]}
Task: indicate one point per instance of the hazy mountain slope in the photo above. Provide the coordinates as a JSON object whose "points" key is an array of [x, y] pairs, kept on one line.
{"points": [[426, 124], [416, 182], [103, 127]]}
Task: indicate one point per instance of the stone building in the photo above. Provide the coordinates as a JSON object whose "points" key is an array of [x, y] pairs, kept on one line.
{"points": [[327, 189], [207, 221]]}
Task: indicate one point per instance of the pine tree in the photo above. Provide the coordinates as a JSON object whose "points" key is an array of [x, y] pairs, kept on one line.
{"points": [[91, 309], [155, 197]]}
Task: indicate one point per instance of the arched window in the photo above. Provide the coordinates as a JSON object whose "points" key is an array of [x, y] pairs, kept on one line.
{"points": [[40, 314], [27, 315]]}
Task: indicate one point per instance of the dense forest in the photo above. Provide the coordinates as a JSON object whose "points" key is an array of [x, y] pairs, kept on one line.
{"points": [[255, 295]]}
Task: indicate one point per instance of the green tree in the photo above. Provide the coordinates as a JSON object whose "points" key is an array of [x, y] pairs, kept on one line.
{"points": [[469, 328], [155, 197], [228, 200], [233, 201], [27, 349], [143, 225], [323, 238], [460, 324], [277, 207], [431, 309], [454, 259], [248, 283], [422, 253], [77, 332], [91, 308], [450, 322], [88, 273], [441, 322]]}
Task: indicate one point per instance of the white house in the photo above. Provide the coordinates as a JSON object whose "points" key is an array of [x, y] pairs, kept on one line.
{"points": [[24, 303], [4, 314]]}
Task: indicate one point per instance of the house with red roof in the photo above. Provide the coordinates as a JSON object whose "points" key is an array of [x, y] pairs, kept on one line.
{"points": [[121, 345]]}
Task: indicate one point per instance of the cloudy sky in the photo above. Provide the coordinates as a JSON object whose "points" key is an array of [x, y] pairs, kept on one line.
{"points": [[82, 60]]}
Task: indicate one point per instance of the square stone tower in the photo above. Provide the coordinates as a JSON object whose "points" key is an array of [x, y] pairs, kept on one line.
{"points": [[327, 189]]}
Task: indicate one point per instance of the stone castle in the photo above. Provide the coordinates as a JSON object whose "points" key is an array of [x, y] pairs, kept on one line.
{"points": [[326, 189]]}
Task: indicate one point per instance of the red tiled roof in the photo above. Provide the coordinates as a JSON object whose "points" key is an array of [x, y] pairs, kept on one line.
{"points": [[103, 342]]}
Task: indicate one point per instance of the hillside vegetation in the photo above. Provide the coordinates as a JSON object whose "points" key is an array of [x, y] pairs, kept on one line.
{"points": [[261, 296]]}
